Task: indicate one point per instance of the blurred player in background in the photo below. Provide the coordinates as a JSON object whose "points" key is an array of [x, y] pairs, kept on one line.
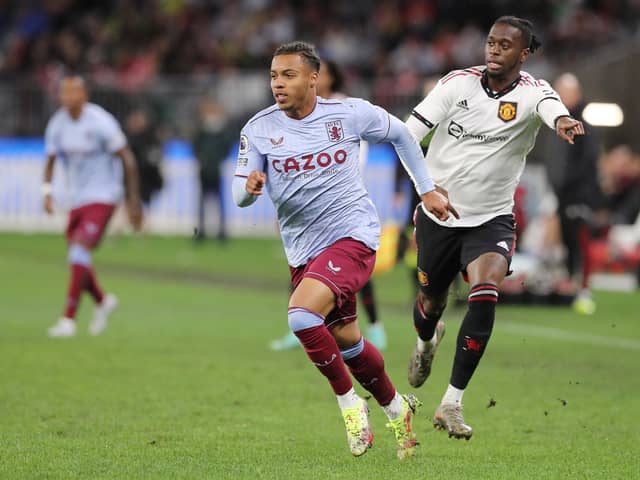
{"points": [[305, 150], [330, 85], [488, 118], [146, 146], [86, 139], [215, 136], [575, 184]]}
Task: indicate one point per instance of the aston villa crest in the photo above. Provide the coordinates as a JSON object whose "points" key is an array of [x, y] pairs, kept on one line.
{"points": [[334, 130]]}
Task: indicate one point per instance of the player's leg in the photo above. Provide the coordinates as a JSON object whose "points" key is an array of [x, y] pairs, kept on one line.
{"points": [[486, 252], [94, 226], [427, 311], [66, 326], [84, 232], [363, 359], [367, 366], [79, 259], [375, 330], [438, 263], [310, 303]]}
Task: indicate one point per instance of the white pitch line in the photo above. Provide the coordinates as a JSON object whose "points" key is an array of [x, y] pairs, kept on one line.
{"points": [[557, 334]]}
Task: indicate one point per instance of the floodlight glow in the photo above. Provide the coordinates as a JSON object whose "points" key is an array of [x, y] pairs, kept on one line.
{"points": [[603, 114]]}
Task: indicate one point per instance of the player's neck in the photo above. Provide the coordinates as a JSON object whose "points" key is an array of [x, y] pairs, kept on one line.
{"points": [[305, 110], [75, 112], [497, 84]]}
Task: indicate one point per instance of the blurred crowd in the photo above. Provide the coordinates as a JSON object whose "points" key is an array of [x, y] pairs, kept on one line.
{"points": [[128, 43]]}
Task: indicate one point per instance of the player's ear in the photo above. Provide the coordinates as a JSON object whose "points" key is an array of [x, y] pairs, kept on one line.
{"points": [[314, 78], [524, 55]]}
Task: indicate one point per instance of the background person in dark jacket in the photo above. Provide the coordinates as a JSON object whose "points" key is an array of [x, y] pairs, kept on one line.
{"points": [[211, 145], [573, 174], [146, 146]]}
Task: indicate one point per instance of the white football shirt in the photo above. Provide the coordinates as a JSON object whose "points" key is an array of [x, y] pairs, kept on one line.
{"points": [[482, 138], [85, 146]]}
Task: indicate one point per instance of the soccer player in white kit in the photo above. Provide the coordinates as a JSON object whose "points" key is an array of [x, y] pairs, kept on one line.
{"points": [[487, 119], [89, 143], [304, 150]]}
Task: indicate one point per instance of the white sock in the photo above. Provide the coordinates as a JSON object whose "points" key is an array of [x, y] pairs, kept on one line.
{"points": [[422, 345], [453, 395], [348, 400], [394, 409]]}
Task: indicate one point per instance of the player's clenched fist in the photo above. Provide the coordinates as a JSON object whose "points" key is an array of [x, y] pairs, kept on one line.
{"points": [[255, 182], [437, 202]]}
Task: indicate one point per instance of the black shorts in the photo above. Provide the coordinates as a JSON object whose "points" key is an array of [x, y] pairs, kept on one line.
{"points": [[445, 251]]}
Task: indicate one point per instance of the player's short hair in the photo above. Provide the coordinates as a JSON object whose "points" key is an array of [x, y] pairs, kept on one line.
{"points": [[526, 27], [338, 79], [306, 50]]}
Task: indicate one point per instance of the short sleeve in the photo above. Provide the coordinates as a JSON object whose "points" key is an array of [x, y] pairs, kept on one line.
{"points": [[436, 105], [372, 122], [434, 108], [249, 158], [112, 133]]}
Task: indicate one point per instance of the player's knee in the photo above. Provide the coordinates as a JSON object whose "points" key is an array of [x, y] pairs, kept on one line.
{"points": [[301, 318], [352, 351], [432, 307], [79, 254]]}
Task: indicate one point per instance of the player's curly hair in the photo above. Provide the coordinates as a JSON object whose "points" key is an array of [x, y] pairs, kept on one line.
{"points": [[306, 50], [526, 27]]}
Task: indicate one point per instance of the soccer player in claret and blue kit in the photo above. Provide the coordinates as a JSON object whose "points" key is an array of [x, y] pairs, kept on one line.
{"points": [[89, 144], [487, 119], [304, 150]]}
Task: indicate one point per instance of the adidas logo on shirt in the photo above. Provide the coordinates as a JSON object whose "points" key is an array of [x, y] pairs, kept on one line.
{"points": [[463, 104]]}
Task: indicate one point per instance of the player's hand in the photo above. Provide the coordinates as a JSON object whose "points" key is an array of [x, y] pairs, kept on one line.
{"points": [[437, 202], [135, 215], [48, 204], [255, 182], [567, 128]]}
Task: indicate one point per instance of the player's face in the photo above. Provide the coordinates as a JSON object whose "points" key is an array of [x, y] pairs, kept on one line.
{"points": [[293, 84], [72, 93], [504, 51]]}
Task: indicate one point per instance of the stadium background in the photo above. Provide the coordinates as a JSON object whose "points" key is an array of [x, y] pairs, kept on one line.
{"points": [[176, 388], [165, 56]]}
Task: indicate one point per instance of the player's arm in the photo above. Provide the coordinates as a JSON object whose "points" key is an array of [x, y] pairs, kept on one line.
{"points": [[553, 113], [249, 178], [412, 160], [46, 183], [132, 186], [51, 149]]}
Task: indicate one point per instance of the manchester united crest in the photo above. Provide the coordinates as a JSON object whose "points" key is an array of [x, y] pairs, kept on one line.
{"points": [[334, 130], [507, 111]]}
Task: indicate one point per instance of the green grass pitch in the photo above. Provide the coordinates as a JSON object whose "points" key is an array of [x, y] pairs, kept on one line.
{"points": [[183, 386]]}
